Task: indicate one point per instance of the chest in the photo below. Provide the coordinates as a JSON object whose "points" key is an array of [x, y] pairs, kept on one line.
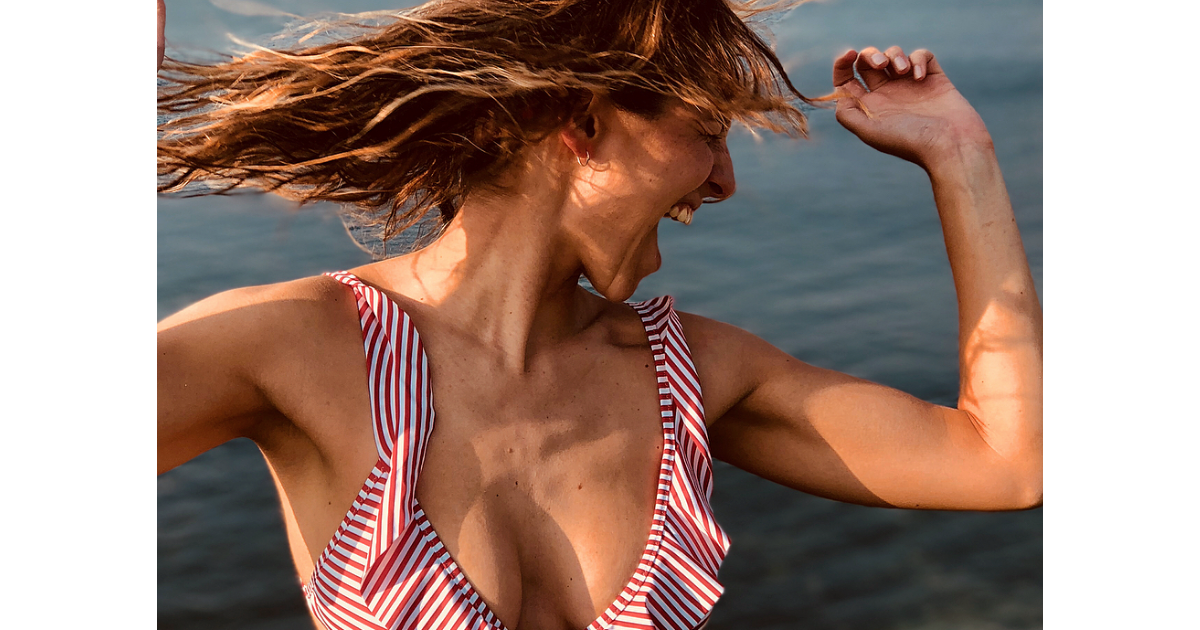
{"points": [[543, 487], [569, 496]]}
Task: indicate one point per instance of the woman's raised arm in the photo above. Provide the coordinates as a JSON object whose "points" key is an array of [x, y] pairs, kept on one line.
{"points": [[844, 438]]}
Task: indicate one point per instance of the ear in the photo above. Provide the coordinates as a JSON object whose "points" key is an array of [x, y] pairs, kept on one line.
{"points": [[580, 135]]}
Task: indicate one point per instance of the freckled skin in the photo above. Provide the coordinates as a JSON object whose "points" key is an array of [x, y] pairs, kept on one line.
{"points": [[539, 385]]}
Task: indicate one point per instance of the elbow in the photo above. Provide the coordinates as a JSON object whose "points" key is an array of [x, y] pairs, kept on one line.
{"points": [[1031, 497], [1021, 472], [1031, 478], [1016, 482], [1014, 495], [1026, 488]]}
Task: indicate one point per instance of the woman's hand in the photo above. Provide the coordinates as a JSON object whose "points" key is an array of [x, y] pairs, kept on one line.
{"points": [[162, 25], [908, 108]]}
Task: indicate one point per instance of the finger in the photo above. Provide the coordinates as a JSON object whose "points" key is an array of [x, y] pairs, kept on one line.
{"points": [[872, 67], [843, 68], [162, 24], [924, 64], [844, 82], [900, 63]]}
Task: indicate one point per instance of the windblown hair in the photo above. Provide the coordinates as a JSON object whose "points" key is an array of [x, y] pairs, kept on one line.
{"points": [[407, 116]]}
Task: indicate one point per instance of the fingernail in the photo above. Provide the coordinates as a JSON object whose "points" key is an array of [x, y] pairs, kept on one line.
{"points": [[879, 59], [901, 64], [919, 72]]}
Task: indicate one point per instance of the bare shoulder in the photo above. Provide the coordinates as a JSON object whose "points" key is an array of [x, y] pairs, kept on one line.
{"points": [[303, 302], [228, 365], [706, 335], [257, 335], [261, 334], [730, 361]]}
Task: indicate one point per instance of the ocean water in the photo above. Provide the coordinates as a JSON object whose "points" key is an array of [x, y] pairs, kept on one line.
{"points": [[829, 250]]}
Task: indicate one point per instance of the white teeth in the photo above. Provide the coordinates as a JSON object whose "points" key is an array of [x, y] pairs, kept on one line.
{"points": [[681, 212]]}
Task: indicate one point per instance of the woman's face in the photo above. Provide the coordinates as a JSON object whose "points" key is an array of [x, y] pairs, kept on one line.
{"points": [[643, 171]]}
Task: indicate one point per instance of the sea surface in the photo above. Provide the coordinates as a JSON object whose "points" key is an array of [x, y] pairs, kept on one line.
{"points": [[829, 250]]}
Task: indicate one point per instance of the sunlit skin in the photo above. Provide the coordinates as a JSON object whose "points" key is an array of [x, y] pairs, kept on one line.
{"points": [[162, 25], [541, 472]]}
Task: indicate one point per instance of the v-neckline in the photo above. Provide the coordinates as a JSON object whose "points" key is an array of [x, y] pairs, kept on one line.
{"points": [[442, 555]]}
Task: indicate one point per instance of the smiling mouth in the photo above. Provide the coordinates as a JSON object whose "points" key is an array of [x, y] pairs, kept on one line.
{"points": [[681, 212]]}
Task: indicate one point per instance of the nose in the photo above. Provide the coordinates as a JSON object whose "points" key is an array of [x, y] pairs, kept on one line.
{"points": [[721, 182]]}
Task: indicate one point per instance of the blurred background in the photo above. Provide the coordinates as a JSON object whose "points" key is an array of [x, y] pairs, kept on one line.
{"points": [[830, 250]]}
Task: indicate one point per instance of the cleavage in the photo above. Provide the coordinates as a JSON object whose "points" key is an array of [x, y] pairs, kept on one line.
{"points": [[544, 497]]}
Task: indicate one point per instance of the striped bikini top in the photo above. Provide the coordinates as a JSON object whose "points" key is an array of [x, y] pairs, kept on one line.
{"points": [[386, 568]]}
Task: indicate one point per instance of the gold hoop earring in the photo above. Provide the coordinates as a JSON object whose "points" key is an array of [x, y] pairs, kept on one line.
{"points": [[584, 162]]}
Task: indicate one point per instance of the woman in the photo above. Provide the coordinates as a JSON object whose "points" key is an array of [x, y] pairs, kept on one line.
{"points": [[550, 139]]}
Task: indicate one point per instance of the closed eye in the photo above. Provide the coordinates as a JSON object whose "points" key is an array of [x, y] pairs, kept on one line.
{"points": [[714, 138]]}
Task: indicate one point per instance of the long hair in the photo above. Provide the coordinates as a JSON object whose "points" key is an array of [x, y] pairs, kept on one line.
{"points": [[407, 115]]}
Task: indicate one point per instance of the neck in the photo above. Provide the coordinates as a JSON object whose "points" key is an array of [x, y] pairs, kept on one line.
{"points": [[503, 273]]}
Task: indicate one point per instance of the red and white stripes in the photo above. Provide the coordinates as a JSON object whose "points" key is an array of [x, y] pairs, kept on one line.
{"points": [[386, 568], [684, 581]]}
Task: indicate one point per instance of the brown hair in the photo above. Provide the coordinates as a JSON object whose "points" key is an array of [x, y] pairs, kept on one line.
{"points": [[407, 116]]}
